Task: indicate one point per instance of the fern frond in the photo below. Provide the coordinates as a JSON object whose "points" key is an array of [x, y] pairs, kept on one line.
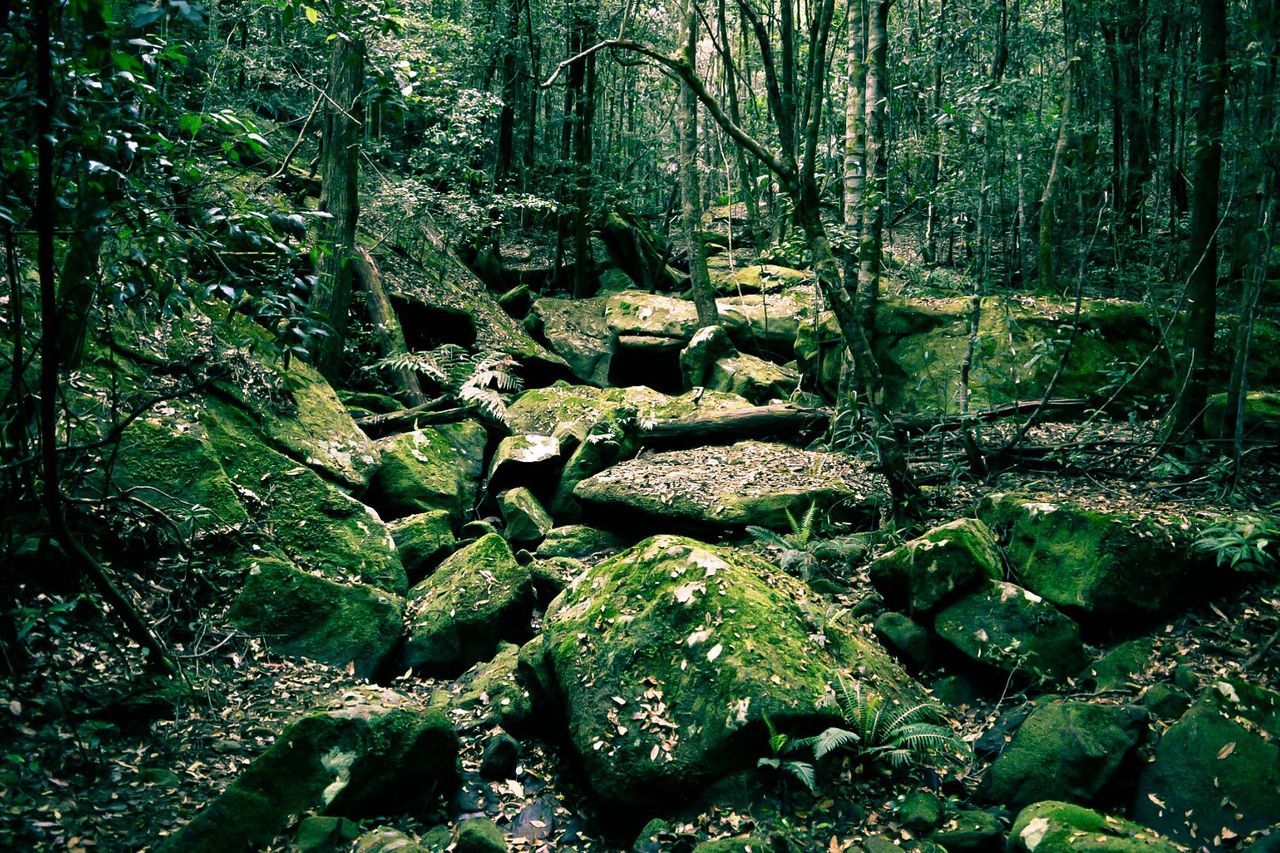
{"points": [[914, 714], [831, 740], [765, 536], [805, 533], [486, 400], [803, 771]]}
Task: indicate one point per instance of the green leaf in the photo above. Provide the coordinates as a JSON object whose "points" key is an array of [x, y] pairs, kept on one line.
{"points": [[312, 14]]}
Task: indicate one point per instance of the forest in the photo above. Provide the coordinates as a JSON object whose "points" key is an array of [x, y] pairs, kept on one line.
{"points": [[692, 425]]}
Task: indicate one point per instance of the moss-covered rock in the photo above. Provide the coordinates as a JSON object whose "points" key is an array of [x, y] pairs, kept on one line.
{"points": [[1013, 629], [698, 359], [1119, 668], [318, 527], [490, 693], [299, 613], [1211, 772], [576, 330], [476, 597], [560, 407], [525, 519], [666, 656], [479, 835], [905, 638], [753, 378], [1066, 750], [970, 831], [172, 466], [577, 541], [1261, 415], [757, 278], [919, 812], [926, 572], [432, 468], [325, 834], [1109, 565], [387, 839], [747, 483], [525, 460], [423, 540], [1054, 827], [372, 753]]}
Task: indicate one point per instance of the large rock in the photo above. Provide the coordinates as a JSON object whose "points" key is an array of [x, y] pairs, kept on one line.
{"points": [[926, 572], [747, 483], [576, 408], [1217, 769], [712, 361], [1066, 750], [476, 598], [1054, 827], [432, 468], [441, 301], [757, 278], [525, 519], [1013, 629], [921, 344], [423, 540], [299, 613], [575, 330], [373, 753], [1261, 415], [317, 526], [666, 656], [524, 460], [577, 541], [1111, 566]]}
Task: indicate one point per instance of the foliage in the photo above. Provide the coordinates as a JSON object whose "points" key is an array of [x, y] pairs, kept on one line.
{"points": [[477, 380], [876, 731], [801, 552], [782, 745], [1241, 543]]}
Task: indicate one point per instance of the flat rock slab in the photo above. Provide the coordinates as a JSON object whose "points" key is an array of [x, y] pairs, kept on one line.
{"points": [[747, 483]]}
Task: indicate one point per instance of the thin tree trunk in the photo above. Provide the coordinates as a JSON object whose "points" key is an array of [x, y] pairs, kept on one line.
{"points": [[340, 164], [877, 93], [704, 298], [1200, 314], [1045, 249], [386, 325]]}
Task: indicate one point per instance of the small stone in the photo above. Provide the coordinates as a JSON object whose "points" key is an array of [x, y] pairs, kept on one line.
{"points": [[919, 812], [501, 754], [479, 835]]}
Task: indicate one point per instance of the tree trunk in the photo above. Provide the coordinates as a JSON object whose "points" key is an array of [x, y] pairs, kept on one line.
{"points": [[877, 93], [1200, 314], [704, 298], [340, 163], [1045, 249], [855, 125], [386, 325]]}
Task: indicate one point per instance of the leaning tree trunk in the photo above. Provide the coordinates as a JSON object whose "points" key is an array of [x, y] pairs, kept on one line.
{"points": [[704, 298], [339, 198], [1200, 313]]}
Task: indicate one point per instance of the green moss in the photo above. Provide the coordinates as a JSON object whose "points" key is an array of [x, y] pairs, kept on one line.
{"points": [[699, 641], [1110, 565], [372, 754], [577, 541], [926, 572], [478, 596], [1055, 827], [1210, 773], [1261, 415], [526, 521], [302, 614], [479, 835], [490, 693], [1120, 667], [318, 527], [1066, 750], [1013, 629], [422, 541], [436, 468], [174, 469]]}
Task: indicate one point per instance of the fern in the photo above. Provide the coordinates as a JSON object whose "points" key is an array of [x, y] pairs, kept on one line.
{"points": [[781, 744], [477, 381]]}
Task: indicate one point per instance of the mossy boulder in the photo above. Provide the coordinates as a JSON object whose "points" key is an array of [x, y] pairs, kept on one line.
{"points": [[930, 570], [1120, 668], [171, 465], [525, 460], [907, 639], [1055, 827], [1066, 750], [970, 831], [372, 753], [479, 835], [492, 693], [757, 278], [1013, 629], [432, 468], [1215, 769], [300, 613], [387, 839], [475, 598], [726, 487], [317, 526], [325, 834], [753, 378], [577, 541], [525, 519], [576, 330], [423, 540], [563, 407], [1261, 415], [1111, 566], [666, 656]]}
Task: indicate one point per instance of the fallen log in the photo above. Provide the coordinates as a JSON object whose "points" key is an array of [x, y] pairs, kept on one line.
{"points": [[726, 427], [386, 324], [431, 412], [918, 424]]}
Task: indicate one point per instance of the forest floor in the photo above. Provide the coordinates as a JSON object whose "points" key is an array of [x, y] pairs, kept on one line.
{"points": [[95, 760]]}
